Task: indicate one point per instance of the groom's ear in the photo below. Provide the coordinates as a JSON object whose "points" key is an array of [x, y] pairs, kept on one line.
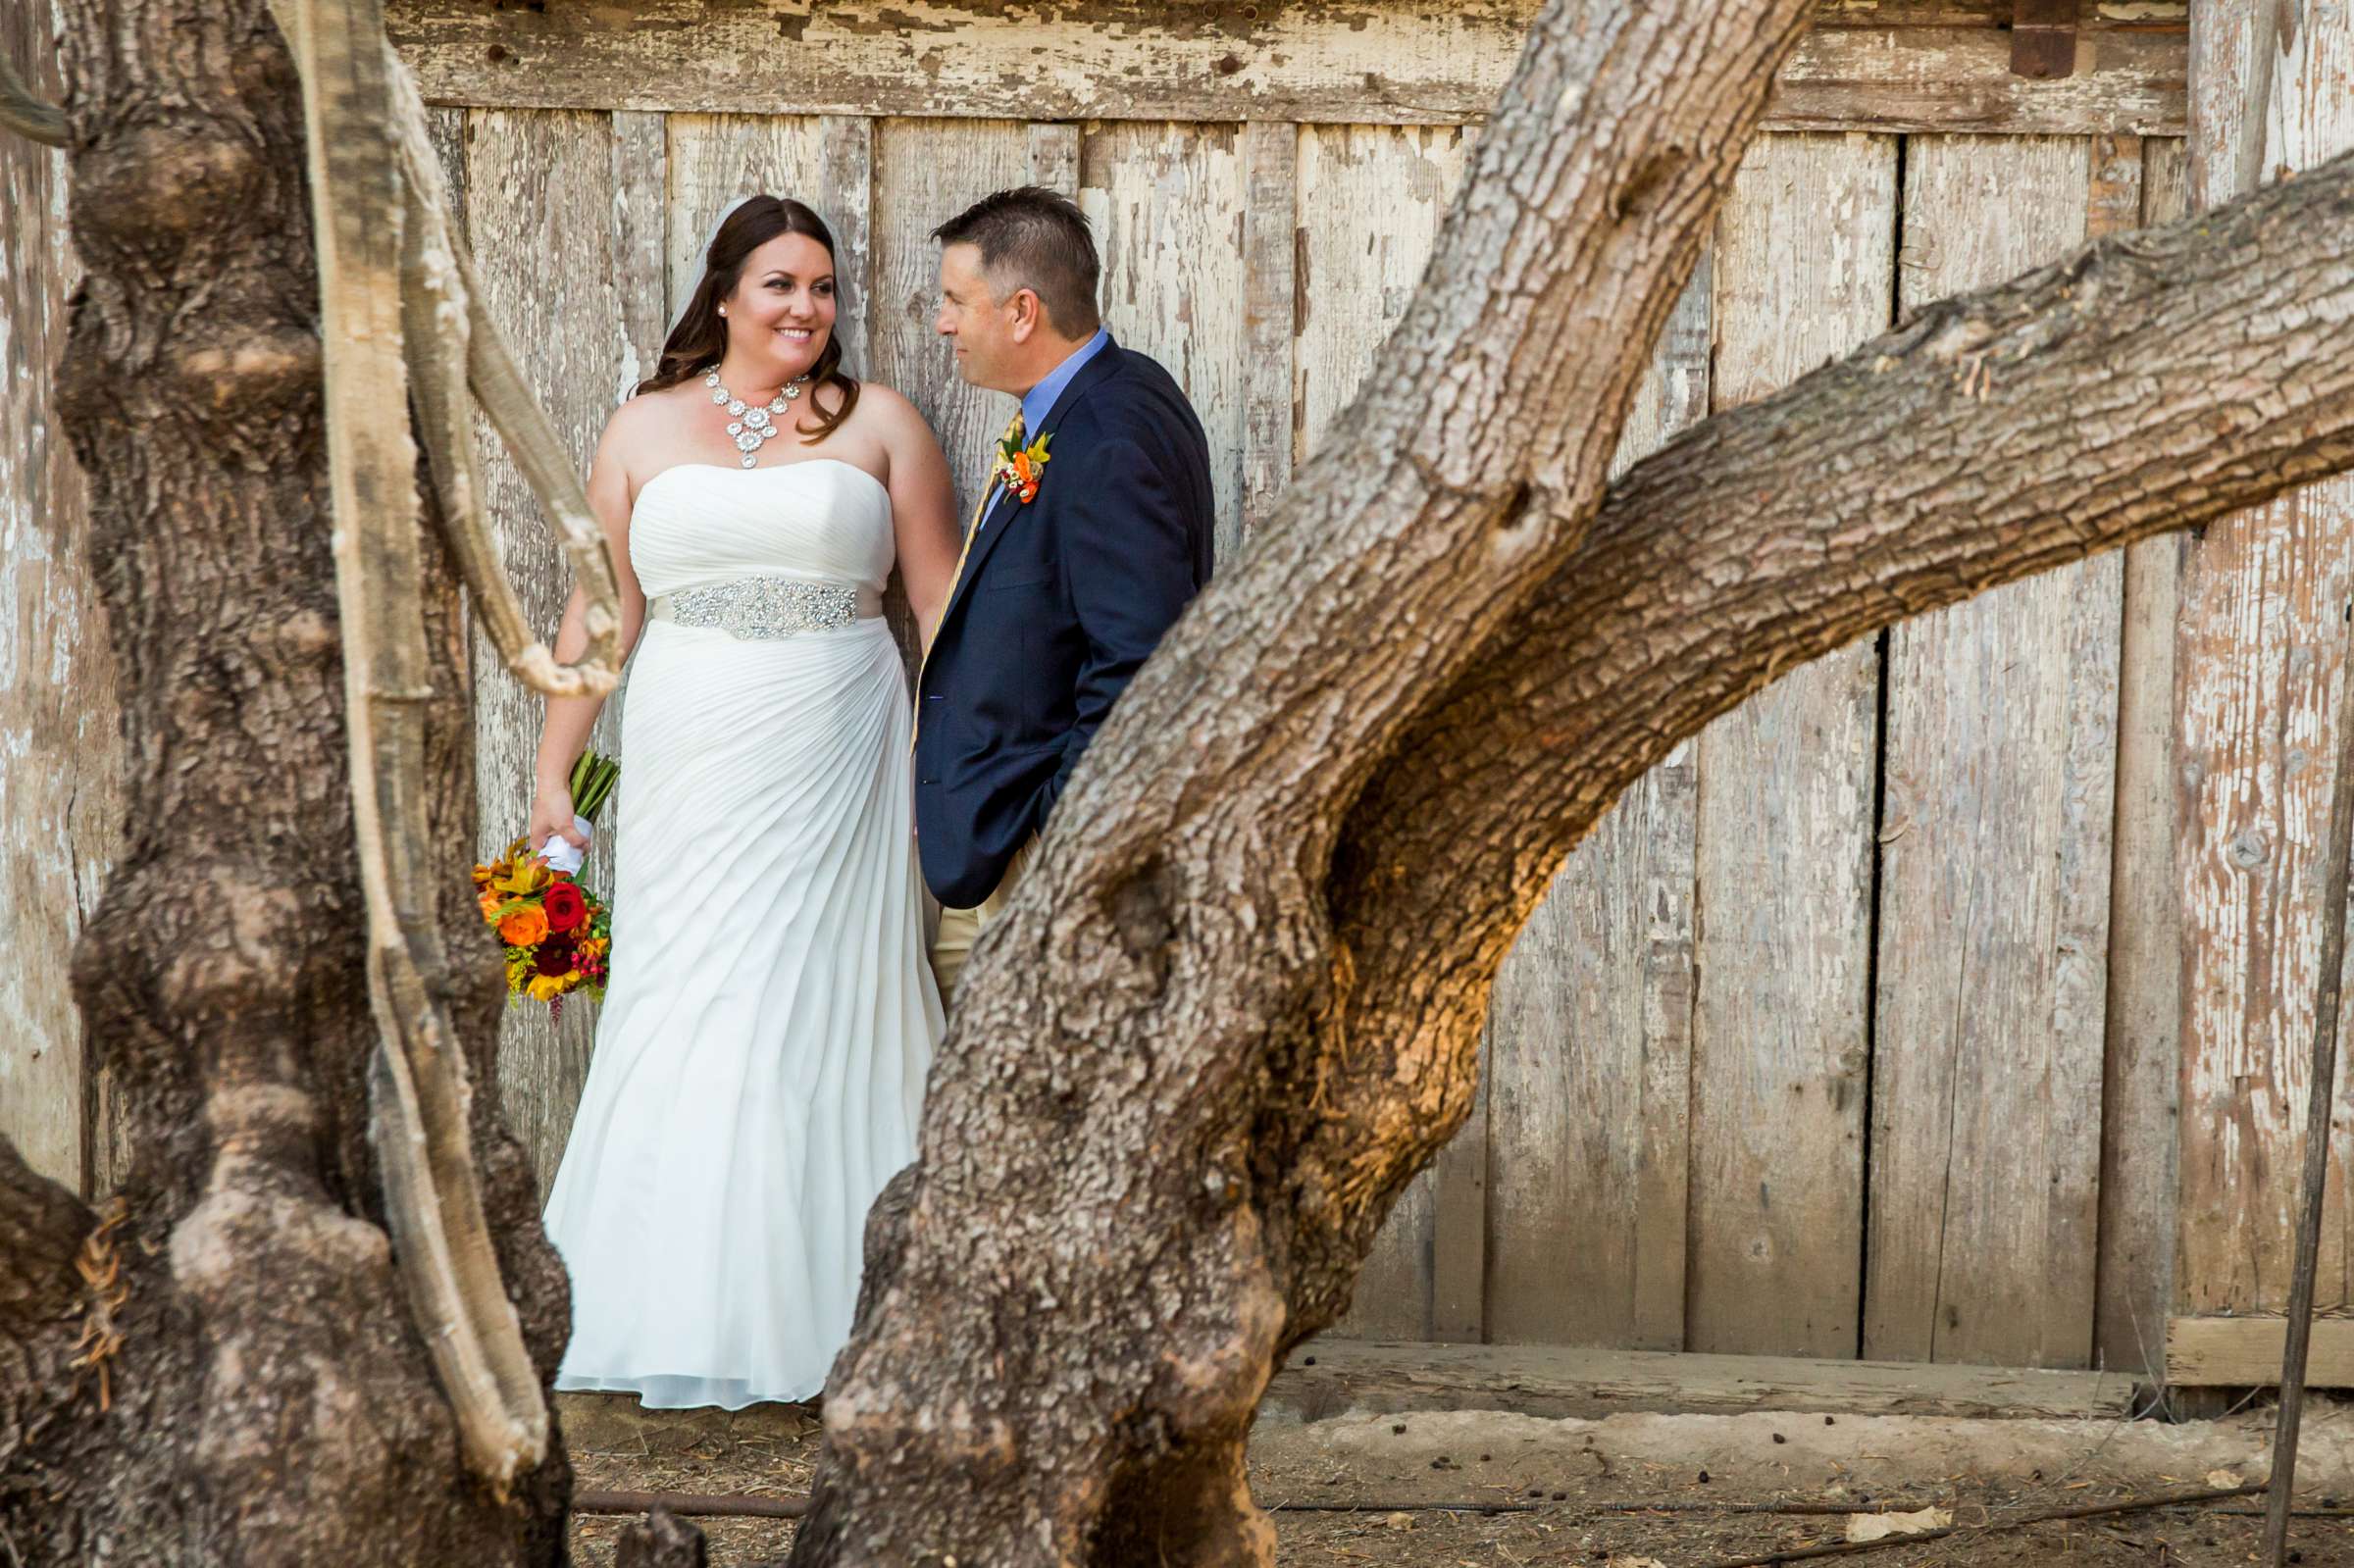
{"points": [[1029, 315]]}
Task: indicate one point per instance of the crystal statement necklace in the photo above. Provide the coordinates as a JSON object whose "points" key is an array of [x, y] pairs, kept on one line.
{"points": [[752, 427]]}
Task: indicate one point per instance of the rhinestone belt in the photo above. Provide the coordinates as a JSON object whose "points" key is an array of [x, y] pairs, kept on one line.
{"points": [[766, 607]]}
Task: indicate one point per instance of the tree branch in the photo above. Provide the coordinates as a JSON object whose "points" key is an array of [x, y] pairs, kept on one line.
{"points": [[1171, 930], [418, 1079], [42, 1228], [452, 344], [2151, 381], [26, 114]]}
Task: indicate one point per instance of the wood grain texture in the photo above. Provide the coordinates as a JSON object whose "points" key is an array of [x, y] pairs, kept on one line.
{"points": [[60, 750], [1055, 153], [1590, 1044], [846, 199], [1999, 771], [1403, 62], [1803, 259], [716, 158], [2245, 1352], [928, 171], [2260, 655], [1370, 200], [1270, 154], [2140, 1082], [1166, 203], [554, 239]]}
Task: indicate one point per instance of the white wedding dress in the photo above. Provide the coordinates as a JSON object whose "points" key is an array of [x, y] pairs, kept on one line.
{"points": [[761, 1051]]}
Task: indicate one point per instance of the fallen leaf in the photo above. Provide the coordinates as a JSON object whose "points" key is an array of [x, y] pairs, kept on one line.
{"points": [[1880, 1526], [1401, 1520], [2224, 1477], [1633, 1562]]}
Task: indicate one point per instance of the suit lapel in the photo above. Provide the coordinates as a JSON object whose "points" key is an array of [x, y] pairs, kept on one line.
{"points": [[1005, 513]]}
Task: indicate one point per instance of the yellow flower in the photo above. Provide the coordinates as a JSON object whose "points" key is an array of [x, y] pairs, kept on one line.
{"points": [[548, 987]]}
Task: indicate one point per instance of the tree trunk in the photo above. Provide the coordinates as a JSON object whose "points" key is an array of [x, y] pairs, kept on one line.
{"points": [[260, 1394], [1236, 1003]]}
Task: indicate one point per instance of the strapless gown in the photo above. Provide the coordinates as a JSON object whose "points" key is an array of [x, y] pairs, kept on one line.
{"points": [[760, 1054]]}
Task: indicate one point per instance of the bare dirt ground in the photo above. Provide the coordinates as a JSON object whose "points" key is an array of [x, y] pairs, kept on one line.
{"points": [[1631, 1492]]}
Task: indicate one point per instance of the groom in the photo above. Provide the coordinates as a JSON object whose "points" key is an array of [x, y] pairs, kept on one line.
{"points": [[1093, 533]]}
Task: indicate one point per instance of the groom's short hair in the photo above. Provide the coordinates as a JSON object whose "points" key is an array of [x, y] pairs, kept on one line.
{"points": [[1031, 238]]}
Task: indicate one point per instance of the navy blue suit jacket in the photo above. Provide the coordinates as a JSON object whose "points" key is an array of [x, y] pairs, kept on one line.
{"points": [[1061, 600]]}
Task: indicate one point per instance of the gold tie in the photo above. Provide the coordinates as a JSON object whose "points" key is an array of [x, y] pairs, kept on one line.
{"points": [[972, 531], [972, 528]]}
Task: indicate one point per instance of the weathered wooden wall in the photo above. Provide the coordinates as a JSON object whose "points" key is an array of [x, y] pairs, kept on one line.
{"points": [[1862, 1026], [58, 748]]}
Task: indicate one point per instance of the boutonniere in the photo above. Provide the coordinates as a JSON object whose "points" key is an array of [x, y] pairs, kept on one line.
{"points": [[1019, 466]]}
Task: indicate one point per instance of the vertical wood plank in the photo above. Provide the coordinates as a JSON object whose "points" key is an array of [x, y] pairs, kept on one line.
{"points": [[640, 241], [1270, 152], [542, 206], [1055, 158], [60, 759], [1804, 265], [928, 171], [846, 199], [2140, 1083], [1998, 791], [2260, 654], [716, 158], [1589, 1055], [1370, 199], [1166, 203]]}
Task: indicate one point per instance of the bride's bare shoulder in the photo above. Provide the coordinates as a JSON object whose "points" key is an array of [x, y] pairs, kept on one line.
{"points": [[644, 422]]}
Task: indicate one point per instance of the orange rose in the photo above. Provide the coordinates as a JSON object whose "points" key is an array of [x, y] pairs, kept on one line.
{"points": [[491, 899], [524, 928]]}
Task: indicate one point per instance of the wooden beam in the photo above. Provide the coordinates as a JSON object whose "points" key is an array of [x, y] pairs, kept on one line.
{"points": [[1406, 61], [1333, 1377], [2245, 1352]]}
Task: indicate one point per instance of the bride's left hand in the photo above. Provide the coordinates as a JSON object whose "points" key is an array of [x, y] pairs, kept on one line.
{"points": [[551, 818]]}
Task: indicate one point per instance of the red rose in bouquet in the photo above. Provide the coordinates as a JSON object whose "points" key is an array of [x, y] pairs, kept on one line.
{"points": [[565, 906]]}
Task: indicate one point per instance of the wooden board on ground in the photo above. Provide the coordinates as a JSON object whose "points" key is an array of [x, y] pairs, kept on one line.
{"points": [[1785, 807], [61, 751], [1405, 62], [1590, 1037], [1999, 766], [2246, 1352], [2261, 648], [551, 242], [1331, 1377]]}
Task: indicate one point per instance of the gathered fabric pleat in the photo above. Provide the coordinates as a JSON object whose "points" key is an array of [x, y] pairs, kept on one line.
{"points": [[760, 1055]]}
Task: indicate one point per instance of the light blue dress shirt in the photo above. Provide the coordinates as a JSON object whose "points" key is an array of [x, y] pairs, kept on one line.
{"points": [[1038, 401]]}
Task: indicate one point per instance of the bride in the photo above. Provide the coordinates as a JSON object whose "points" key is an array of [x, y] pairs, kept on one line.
{"points": [[762, 1046]]}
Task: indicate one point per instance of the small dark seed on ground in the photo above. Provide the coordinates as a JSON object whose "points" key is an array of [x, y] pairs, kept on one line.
{"points": [[1561, 1497], [1779, 1438], [1400, 1429], [1704, 1478]]}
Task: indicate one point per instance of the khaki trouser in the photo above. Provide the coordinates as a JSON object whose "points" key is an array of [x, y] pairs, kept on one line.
{"points": [[959, 928]]}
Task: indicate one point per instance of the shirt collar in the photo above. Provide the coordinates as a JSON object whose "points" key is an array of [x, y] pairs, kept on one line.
{"points": [[1038, 401]]}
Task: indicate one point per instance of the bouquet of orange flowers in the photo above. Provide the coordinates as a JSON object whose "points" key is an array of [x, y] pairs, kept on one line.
{"points": [[558, 934]]}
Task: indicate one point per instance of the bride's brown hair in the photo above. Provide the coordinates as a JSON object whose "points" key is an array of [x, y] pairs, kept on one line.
{"points": [[696, 343]]}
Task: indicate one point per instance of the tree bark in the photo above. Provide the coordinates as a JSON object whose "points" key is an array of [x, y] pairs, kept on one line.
{"points": [[265, 1398], [1236, 1003]]}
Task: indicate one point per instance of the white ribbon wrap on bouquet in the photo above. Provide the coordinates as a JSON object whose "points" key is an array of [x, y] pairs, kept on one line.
{"points": [[559, 853]]}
